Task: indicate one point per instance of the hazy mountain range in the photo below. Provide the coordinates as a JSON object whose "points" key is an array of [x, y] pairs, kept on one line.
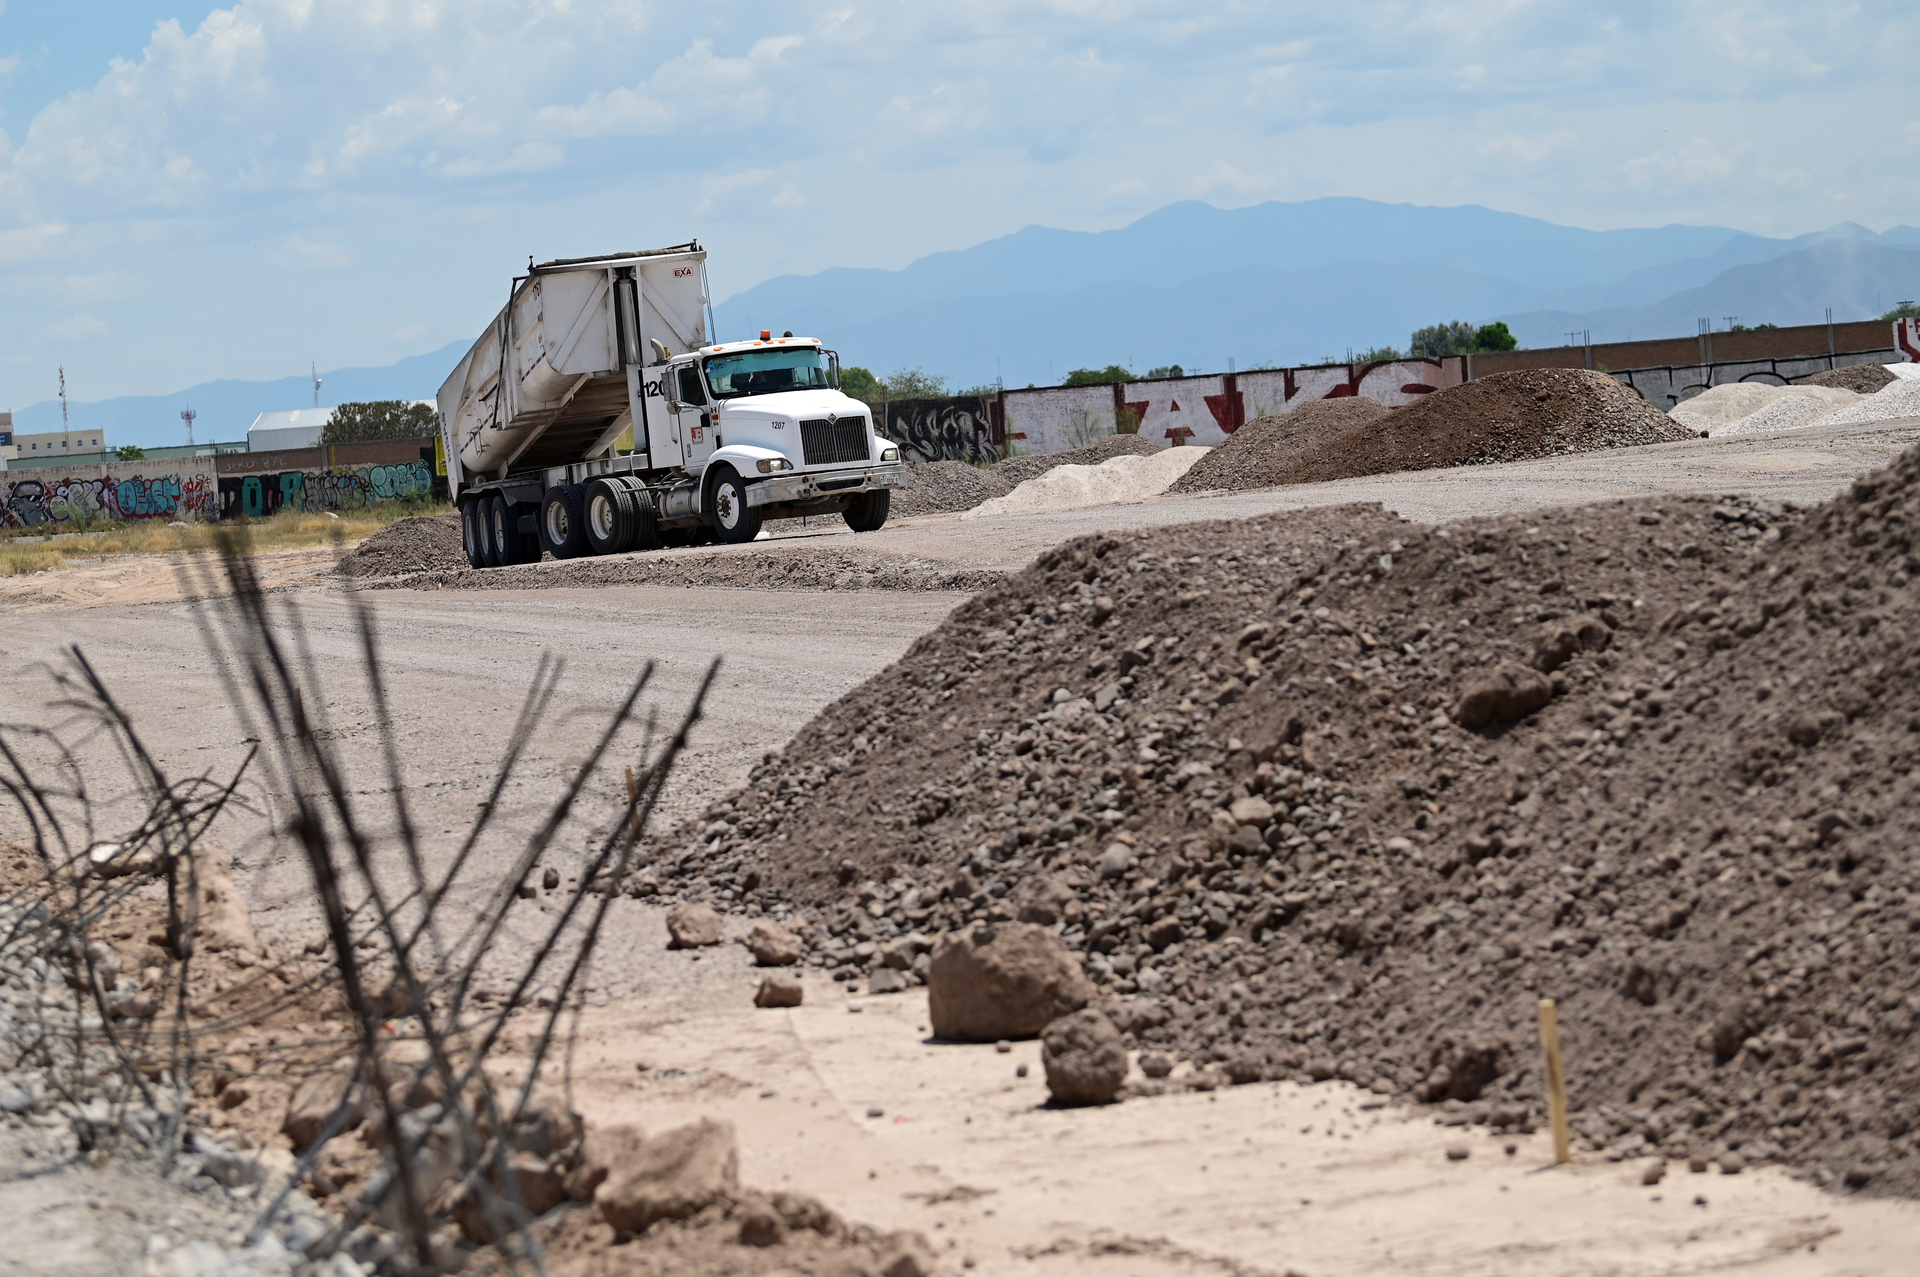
{"points": [[1199, 286]]}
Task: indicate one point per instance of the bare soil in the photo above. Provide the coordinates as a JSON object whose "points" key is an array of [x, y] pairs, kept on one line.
{"points": [[411, 545], [1017, 470], [1698, 847], [1511, 416], [945, 487], [1261, 451]]}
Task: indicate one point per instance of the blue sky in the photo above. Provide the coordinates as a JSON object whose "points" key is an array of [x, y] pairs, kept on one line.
{"points": [[235, 191]]}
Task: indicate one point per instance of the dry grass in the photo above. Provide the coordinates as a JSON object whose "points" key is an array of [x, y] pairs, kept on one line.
{"points": [[285, 530]]}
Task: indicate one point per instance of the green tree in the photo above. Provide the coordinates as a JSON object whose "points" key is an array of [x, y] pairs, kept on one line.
{"points": [[1455, 337], [1165, 370], [130, 452], [1738, 327], [1098, 376], [861, 384], [1489, 338], [1905, 310], [913, 383], [1378, 355], [380, 419]]}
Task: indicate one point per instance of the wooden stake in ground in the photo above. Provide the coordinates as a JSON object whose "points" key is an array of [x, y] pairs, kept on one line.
{"points": [[1556, 1080], [633, 799]]}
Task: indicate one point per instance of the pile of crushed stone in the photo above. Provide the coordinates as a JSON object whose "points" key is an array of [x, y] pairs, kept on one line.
{"points": [[1017, 470], [420, 544], [1510, 416], [1861, 379], [1259, 451], [1790, 408], [1235, 769], [1714, 409], [944, 487], [763, 566], [1899, 398], [1116, 480]]}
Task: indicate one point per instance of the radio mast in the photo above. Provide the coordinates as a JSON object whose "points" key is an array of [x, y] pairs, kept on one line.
{"points": [[187, 415], [314, 369], [63, 399]]}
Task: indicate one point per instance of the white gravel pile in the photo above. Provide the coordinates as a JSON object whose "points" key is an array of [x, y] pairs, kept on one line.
{"points": [[1791, 408], [1895, 399], [1109, 483], [1717, 407]]}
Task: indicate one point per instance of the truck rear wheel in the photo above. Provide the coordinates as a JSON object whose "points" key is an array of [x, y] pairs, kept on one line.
{"points": [[868, 511], [563, 521], [470, 533], [732, 519], [610, 517], [646, 536]]}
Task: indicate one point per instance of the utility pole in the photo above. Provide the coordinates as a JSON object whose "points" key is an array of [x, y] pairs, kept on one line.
{"points": [[1573, 337], [1731, 321], [63, 399], [187, 415]]}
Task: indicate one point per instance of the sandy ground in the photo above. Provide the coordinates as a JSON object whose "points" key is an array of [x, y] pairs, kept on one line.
{"points": [[1254, 1180]]}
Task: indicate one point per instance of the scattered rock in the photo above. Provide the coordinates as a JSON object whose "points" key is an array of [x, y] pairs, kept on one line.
{"points": [[779, 991], [1004, 980], [693, 926], [672, 1176], [1732, 1163], [772, 945], [312, 1105], [1458, 1152], [886, 980], [1653, 1174], [1507, 693], [1155, 1065], [1085, 1060]]}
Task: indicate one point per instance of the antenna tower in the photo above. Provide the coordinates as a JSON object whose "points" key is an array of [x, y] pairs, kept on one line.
{"points": [[314, 370], [63, 399], [187, 415]]}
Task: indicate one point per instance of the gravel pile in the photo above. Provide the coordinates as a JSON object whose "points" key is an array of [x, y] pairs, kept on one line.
{"points": [[1512, 416], [1017, 470], [1714, 409], [943, 487], [1261, 450], [421, 544], [1119, 479], [1791, 409], [765, 566], [1861, 379], [1235, 769], [1895, 399]]}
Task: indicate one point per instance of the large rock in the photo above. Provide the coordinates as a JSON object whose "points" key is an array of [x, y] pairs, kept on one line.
{"points": [[780, 991], [1505, 694], [772, 945], [1084, 1058], [693, 927], [313, 1102], [601, 1150], [673, 1176], [1006, 980], [221, 923]]}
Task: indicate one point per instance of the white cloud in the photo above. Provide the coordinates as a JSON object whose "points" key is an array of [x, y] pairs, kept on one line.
{"points": [[76, 328]]}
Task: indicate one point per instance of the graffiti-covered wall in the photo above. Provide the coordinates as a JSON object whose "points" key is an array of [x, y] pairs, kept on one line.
{"points": [[956, 429], [137, 490], [257, 495]]}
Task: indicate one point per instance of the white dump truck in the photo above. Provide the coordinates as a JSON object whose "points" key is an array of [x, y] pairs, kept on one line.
{"points": [[596, 416]]}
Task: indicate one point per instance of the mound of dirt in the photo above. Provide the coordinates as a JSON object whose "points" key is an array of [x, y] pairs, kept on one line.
{"points": [[764, 566], [943, 487], [1227, 765], [1017, 470], [1511, 416], [1896, 399], [1861, 379], [1714, 409], [1792, 408], [423, 544], [1115, 480], [1259, 451]]}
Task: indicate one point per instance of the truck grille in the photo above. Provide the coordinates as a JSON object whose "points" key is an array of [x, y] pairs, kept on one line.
{"points": [[833, 443]]}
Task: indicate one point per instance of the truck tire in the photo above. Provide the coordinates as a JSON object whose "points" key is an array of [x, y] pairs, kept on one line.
{"points": [[503, 538], [733, 521], [563, 521], [610, 517], [868, 511], [646, 536], [470, 533]]}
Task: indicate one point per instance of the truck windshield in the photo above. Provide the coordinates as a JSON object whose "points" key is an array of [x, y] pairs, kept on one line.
{"points": [[766, 372]]}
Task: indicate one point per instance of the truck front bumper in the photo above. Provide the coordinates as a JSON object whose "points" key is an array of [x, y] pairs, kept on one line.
{"points": [[827, 483]]}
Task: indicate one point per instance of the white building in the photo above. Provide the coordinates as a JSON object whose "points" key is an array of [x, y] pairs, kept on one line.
{"points": [[276, 431], [52, 443]]}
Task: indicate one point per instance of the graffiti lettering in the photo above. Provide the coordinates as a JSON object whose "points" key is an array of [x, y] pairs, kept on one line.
{"points": [[943, 430]]}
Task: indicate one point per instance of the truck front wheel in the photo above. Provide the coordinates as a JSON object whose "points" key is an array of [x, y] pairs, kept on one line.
{"points": [[732, 519], [868, 511]]}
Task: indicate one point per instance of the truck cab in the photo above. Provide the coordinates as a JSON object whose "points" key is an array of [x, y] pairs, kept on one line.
{"points": [[766, 430]]}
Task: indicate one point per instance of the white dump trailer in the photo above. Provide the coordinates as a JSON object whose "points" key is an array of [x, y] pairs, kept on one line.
{"points": [[597, 415]]}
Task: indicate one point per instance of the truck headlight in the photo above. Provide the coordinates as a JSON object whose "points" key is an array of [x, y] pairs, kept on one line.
{"points": [[773, 465], [889, 454]]}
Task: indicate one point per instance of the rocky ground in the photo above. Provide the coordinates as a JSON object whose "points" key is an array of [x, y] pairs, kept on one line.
{"points": [[1261, 451], [1861, 379], [1333, 795]]}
